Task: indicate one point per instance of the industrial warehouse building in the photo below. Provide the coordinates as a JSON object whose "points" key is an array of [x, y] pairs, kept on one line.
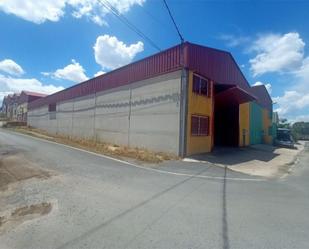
{"points": [[184, 100]]}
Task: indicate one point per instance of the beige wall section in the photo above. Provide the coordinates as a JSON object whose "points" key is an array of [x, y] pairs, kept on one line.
{"points": [[199, 105], [244, 124], [267, 123]]}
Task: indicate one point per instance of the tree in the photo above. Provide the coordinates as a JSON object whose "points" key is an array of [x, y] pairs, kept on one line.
{"points": [[283, 123], [301, 130]]}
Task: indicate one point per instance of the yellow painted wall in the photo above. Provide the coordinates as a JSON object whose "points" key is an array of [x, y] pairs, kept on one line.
{"points": [[244, 124], [199, 105], [267, 122]]}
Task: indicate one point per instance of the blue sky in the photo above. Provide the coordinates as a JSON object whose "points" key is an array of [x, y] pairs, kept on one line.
{"points": [[57, 43]]}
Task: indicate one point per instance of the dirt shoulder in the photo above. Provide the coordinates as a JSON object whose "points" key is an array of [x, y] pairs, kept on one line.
{"points": [[121, 152], [15, 170], [14, 167]]}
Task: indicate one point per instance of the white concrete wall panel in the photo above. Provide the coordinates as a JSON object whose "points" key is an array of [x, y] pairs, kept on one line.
{"points": [[144, 114], [112, 122], [38, 117], [154, 122], [64, 118], [83, 117]]}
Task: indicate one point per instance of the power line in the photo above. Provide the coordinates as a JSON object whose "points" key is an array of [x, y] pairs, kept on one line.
{"points": [[176, 27], [124, 20]]}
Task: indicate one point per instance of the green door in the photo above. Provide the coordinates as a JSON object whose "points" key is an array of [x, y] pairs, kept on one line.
{"points": [[256, 123]]}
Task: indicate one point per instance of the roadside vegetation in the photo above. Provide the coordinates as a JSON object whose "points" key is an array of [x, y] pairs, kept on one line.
{"points": [[299, 130], [109, 149]]}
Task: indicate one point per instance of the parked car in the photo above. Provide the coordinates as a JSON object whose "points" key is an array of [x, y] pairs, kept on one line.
{"points": [[284, 138]]}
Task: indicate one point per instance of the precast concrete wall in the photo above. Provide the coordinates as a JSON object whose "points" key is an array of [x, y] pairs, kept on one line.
{"points": [[64, 117], [112, 116], [144, 114], [39, 118], [83, 117]]}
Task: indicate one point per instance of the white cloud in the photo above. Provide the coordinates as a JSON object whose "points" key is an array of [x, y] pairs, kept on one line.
{"points": [[291, 102], [294, 103], [14, 85], [277, 53], [284, 54], [46, 74], [3, 94], [73, 72], [98, 20], [124, 5], [267, 85], [111, 53], [302, 73], [52, 10], [33, 10], [233, 40], [11, 67], [98, 73], [299, 118]]}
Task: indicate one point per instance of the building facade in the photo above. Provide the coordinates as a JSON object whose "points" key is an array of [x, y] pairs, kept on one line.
{"points": [[15, 106], [184, 100], [24, 99], [9, 106]]}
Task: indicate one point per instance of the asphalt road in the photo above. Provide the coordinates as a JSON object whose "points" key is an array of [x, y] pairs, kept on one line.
{"points": [[103, 203]]}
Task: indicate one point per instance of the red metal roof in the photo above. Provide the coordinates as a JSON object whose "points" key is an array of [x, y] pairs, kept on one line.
{"points": [[214, 64], [262, 96], [235, 94], [27, 96], [34, 94]]}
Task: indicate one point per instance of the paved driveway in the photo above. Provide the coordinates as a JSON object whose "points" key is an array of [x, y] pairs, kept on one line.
{"points": [[103, 203]]}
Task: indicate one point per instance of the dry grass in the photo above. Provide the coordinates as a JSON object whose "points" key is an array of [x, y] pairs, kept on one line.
{"points": [[101, 147]]}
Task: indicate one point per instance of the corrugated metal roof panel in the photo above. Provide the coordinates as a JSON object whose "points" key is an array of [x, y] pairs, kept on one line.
{"points": [[27, 96], [140, 70], [215, 64], [262, 96]]}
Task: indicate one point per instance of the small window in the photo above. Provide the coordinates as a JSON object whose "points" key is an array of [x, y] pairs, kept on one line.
{"points": [[52, 107], [199, 125], [52, 111], [200, 85]]}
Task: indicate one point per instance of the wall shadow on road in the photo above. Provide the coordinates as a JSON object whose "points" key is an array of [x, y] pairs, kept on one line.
{"points": [[231, 156], [130, 210]]}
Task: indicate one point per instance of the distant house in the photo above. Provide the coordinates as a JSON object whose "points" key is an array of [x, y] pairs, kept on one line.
{"points": [[25, 98], [9, 105], [15, 106], [4, 106]]}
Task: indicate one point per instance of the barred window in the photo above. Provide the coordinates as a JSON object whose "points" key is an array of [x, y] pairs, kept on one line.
{"points": [[200, 85], [199, 125]]}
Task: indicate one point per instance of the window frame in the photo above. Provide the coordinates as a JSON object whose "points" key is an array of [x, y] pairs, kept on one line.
{"points": [[199, 128], [52, 111], [199, 91], [52, 107]]}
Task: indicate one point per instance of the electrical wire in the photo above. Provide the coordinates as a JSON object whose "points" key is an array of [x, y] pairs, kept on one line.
{"points": [[124, 20], [173, 20]]}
